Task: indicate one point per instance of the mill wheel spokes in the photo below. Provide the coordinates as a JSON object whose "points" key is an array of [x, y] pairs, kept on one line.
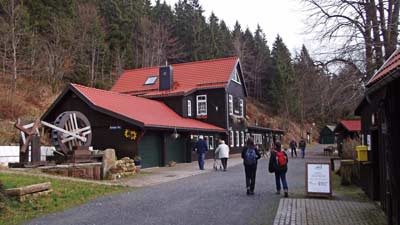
{"points": [[78, 131]]}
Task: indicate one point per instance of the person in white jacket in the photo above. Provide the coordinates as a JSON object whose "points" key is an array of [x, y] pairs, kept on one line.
{"points": [[223, 153]]}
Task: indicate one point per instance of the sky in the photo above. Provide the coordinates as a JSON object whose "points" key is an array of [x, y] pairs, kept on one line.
{"points": [[283, 17]]}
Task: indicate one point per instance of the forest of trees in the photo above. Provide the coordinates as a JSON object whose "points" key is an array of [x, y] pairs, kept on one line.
{"points": [[92, 41]]}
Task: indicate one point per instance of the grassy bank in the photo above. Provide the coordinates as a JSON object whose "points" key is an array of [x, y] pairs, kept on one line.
{"points": [[348, 192], [65, 194]]}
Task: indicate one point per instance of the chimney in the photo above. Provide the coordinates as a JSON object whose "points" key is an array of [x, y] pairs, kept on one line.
{"points": [[166, 78]]}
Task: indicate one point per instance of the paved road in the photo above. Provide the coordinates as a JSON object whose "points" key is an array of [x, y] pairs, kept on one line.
{"points": [[208, 198]]}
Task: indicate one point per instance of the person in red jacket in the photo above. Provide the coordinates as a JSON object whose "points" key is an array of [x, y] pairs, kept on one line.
{"points": [[278, 165]]}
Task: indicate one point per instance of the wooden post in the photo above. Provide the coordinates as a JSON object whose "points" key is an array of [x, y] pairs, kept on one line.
{"points": [[35, 148], [346, 168]]}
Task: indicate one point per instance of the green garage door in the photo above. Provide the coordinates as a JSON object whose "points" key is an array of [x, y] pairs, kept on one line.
{"points": [[150, 150], [175, 149]]}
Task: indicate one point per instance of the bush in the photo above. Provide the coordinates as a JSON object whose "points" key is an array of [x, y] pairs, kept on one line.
{"points": [[349, 148]]}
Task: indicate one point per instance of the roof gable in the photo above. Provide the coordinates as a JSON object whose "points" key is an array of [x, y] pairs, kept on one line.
{"points": [[187, 78], [238, 72], [140, 111]]}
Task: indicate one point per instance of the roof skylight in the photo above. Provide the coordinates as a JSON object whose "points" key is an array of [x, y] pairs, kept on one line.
{"points": [[150, 80]]}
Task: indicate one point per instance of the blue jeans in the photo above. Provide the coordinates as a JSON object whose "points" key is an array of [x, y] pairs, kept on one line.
{"points": [[200, 158], [303, 152], [278, 178]]}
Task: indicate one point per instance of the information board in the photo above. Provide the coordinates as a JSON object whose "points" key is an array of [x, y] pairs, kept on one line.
{"points": [[318, 179]]}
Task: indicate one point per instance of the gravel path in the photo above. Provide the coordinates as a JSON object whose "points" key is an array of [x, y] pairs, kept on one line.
{"points": [[209, 198]]}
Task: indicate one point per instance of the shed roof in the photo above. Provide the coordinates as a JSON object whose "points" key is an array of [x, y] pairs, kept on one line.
{"points": [[351, 125], [150, 113], [187, 77], [390, 65]]}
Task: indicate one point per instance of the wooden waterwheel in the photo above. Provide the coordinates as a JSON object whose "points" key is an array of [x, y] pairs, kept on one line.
{"points": [[79, 131]]}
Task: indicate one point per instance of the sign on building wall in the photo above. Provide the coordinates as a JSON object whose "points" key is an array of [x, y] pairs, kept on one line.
{"points": [[369, 142], [318, 179]]}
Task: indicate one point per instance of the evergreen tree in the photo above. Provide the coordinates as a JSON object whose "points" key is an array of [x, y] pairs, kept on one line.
{"points": [[261, 64], [283, 96]]}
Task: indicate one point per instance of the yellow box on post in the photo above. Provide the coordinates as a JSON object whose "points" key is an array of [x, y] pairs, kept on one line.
{"points": [[362, 153]]}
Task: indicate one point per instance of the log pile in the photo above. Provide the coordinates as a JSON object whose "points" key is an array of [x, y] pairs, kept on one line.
{"points": [[123, 167]]}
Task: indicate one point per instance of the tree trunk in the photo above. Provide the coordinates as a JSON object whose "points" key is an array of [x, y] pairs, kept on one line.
{"points": [[14, 46]]}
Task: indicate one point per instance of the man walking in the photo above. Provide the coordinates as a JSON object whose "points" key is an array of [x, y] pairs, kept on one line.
{"points": [[200, 147], [250, 155], [223, 153], [293, 146], [302, 145]]}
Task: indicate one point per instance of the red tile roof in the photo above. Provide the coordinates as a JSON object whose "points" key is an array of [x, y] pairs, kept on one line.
{"points": [[387, 68], [149, 112], [187, 77], [351, 125]]}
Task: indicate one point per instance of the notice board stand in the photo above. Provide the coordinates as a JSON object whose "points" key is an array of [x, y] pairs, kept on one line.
{"points": [[318, 179]]}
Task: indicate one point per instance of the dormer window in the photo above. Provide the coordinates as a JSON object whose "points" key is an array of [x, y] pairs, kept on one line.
{"points": [[189, 107], [150, 80], [201, 105], [236, 77]]}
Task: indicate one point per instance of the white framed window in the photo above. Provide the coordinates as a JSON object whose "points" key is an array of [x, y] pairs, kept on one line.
{"points": [[242, 136], [230, 104], [241, 107], [207, 141], [237, 139], [211, 143], [257, 139], [231, 137], [201, 105], [189, 107], [236, 77], [195, 138]]}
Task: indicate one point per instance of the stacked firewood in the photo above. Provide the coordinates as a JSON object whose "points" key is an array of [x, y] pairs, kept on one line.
{"points": [[123, 167]]}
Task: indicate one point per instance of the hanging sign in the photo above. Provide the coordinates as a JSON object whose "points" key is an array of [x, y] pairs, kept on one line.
{"points": [[318, 179]]}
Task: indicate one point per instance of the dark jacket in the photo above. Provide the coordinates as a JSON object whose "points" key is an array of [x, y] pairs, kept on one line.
{"points": [[302, 144], [274, 166], [200, 146], [293, 144], [244, 154]]}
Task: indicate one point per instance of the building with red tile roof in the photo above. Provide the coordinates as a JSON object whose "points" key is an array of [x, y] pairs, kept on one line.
{"points": [[167, 108], [380, 123]]}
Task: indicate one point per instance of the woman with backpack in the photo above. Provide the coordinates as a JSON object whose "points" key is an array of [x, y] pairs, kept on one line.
{"points": [[278, 165], [250, 155]]}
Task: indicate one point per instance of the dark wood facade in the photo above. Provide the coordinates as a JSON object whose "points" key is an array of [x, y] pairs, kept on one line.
{"points": [[217, 108], [380, 112], [327, 135], [263, 137], [104, 127], [155, 145]]}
